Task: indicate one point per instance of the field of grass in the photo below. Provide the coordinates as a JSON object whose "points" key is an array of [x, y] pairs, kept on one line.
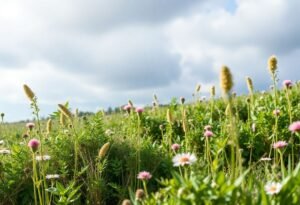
{"points": [[229, 150]]}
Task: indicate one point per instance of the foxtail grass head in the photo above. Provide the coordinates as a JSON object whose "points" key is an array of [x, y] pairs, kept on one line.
{"points": [[169, 116], [103, 151], [272, 64], [29, 93], [49, 126], [249, 84], [212, 91], [226, 80], [198, 87], [65, 111]]}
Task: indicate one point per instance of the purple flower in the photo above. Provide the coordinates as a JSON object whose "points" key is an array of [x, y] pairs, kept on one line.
{"points": [[287, 83], [175, 147], [139, 110], [34, 144], [30, 125], [208, 133]]}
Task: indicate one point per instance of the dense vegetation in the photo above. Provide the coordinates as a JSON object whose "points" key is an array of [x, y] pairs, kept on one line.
{"points": [[232, 150]]}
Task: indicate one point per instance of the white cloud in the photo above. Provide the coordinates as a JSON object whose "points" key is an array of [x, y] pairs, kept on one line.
{"points": [[100, 54]]}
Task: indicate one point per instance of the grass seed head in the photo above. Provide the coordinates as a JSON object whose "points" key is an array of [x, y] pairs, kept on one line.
{"points": [[103, 150], [213, 91], [226, 80], [29, 93], [249, 84], [272, 64], [65, 111]]}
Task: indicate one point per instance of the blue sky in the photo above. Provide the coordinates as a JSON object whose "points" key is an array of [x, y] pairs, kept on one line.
{"points": [[97, 54]]}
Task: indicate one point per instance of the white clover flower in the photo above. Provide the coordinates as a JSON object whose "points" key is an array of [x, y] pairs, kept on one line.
{"points": [[273, 188], [184, 159], [42, 158], [52, 176], [5, 151]]}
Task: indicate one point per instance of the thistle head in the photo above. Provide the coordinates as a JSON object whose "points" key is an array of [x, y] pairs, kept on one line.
{"points": [[226, 80], [272, 64]]}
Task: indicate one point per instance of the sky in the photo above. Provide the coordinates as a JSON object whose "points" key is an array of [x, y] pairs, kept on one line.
{"points": [[96, 54]]}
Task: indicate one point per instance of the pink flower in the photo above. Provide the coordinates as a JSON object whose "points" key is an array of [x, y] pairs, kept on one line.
{"points": [[30, 125], [34, 144], [144, 175], [127, 108], [280, 144], [139, 110], [208, 133], [287, 83], [295, 127], [175, 147], [276, 112], [207, 127]]}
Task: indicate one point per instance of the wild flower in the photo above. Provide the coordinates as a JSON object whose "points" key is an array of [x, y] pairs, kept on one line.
{"points": [[30, 125], [208, 133], [5, 151], [43, 158], [265, 159], [144, 175], [109, 132], [139, 194], [276, 112], [207, 127], [175, 147], [139, 110], [287, 83], [126, 202], [34, 144], [280, 144], [184, 159], [52, 176], [127, 108], [272, 188], [295, 127], [1, 142], [253, 127], [182, 100]]}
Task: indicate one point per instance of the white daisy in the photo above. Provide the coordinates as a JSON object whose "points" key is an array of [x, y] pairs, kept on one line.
{"points": [[183, 159], [273, 188]]}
